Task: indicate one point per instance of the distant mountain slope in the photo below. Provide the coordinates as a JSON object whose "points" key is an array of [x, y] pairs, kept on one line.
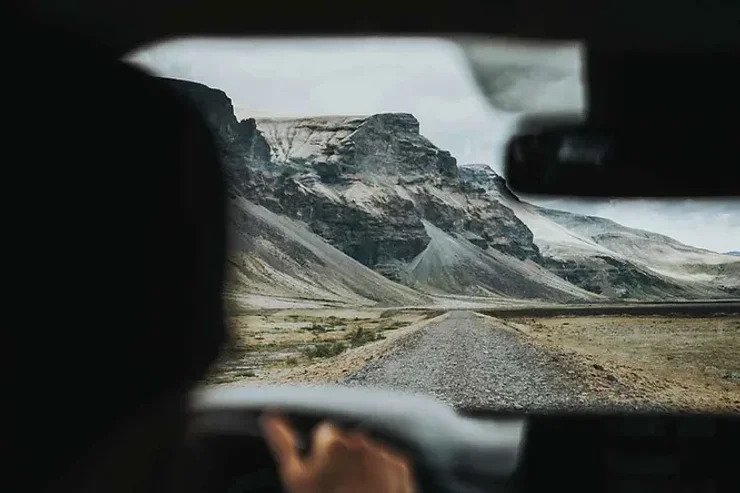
{"points": [[452, 264], [605, 257], [345, 208], [734, 253], [658, 253], [635, 243]]}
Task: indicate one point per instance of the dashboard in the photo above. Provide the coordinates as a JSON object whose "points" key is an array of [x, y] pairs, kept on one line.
{"points": [[630, 453]]}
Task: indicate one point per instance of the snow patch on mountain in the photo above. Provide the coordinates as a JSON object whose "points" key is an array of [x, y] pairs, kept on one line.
{"points": [[647, 264], [302, 138], [633, 243], [658, 253]]}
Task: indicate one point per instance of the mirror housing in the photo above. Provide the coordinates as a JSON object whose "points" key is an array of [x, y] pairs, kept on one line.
{"points": [[592, 161], [656, 126]]}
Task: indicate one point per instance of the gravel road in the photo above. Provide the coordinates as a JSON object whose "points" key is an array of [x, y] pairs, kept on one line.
{"points": [[470, 361]]}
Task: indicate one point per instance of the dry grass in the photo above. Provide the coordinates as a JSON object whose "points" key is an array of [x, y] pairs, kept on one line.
{"points": [[683, 363], [268, 343]]}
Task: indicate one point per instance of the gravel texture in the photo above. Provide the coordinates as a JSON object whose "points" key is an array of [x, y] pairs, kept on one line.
{"points": [[469, 361]]}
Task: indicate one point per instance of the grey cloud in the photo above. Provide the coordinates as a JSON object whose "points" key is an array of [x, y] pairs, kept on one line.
{"points": [[531, 77]]}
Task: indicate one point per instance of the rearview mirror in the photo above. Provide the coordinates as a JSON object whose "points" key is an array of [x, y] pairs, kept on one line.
{"points": [[655, 125], [555, 156]]}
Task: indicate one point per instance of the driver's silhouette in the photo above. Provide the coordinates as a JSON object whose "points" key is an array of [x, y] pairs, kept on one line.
{"points": [[121, 256]]}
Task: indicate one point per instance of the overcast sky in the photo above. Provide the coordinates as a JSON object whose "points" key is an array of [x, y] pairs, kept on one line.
{"points": [[431, 79]]}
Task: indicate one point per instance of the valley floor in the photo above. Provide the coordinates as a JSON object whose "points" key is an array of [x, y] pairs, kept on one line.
{"points": [[521, 361], [686, 363]]}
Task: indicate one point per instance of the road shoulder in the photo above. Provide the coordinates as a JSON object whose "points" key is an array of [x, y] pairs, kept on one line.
{"points": [[336, 369]]}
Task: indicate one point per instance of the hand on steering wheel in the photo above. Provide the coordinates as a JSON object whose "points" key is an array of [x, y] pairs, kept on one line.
{"points": [[339, 462]]}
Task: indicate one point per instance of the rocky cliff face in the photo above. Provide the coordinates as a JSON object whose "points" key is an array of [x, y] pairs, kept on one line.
{"points": [[276, 257], [326, 168], [382, 194], [382, 235], [338, 148], [245, 151], [367, 183]]}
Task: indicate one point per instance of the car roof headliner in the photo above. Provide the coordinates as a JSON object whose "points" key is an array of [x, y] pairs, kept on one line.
{"points": [[676, 25]]}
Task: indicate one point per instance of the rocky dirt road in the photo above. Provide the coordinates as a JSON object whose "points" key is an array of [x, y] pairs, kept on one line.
{"points": [[468, 360]]}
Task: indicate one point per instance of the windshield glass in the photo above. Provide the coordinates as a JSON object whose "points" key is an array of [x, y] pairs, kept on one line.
{"points": [[375, 242]]}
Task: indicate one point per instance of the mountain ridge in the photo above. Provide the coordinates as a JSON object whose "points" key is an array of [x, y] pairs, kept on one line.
{"points": [[377, 191]]}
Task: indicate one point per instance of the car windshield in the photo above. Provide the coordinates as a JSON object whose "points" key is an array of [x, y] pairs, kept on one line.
{"points": [[374, 241]]}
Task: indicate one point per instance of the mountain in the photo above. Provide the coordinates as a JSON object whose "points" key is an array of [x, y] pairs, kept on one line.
{"points": [[365, 209], [659, 254], [734, 253], [378, 190], [605, 257], [274, 260]]}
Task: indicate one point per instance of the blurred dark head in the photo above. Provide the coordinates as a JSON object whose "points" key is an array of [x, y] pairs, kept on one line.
{"points": [[119, 213]]}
